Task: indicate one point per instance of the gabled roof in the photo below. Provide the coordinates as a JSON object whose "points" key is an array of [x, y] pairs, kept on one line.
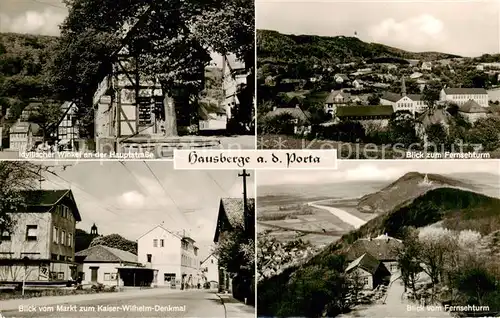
{"points": [[295, 112], [392, 97], [160, 226], [348, 111], [102, 253], [438, 116], [331, 98], [366, 262], [384, 249], [472, 107], [44, 200], [415, 97], [231, 214], [20, 127], [464, 91], [210, 255]]}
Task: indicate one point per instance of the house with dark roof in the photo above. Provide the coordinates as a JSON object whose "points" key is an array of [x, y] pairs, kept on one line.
{"points": [[383, 248], [432, 117], [233, 216], [103, 264], [173, 255], [21, 136], [461, 96], [366, 115], [299, 120], [472, 111], [336, 99], [370, 271], [42, 239]]}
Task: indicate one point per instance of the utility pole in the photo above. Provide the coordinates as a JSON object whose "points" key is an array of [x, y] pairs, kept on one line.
{"points": [[246, 216], [40, 178]]}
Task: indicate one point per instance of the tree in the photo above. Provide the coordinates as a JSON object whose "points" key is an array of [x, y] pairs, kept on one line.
{"points": [[115, 241], [430, 95], [373, 99], [408, 258], [475, 282], [402, 128], [47, 116], [436, 134], [485, 133], [172, 41], [14, 176]]}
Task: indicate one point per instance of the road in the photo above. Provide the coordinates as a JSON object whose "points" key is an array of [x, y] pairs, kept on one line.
{"points": [[149, 304], [341, 214]]}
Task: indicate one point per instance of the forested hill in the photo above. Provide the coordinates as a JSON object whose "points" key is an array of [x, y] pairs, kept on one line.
{"points": [[272, 45]]}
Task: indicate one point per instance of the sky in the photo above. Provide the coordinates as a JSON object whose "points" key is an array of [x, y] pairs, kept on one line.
{"points": [[380, 170], [42, 17], [127, 199], [466, 28]]}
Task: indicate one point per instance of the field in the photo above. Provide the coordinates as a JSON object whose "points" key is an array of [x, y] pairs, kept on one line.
{"points": [[288, 218]]}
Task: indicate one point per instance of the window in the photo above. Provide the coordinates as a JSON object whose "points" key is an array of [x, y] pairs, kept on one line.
{"points": [[63, 238], [149, 257], [162, 243], [212, 261], [155, 243], [55, 234], [365, 280], [70, 240], [31, 232], [53, 257], [5, 236], [107, 276], [60, 275]]}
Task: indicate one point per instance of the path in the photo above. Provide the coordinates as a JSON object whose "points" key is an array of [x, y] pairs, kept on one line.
{"points": [[341, 214]]}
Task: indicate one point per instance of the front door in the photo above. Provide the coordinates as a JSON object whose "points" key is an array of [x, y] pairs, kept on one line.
{"points": [[93, 274]]}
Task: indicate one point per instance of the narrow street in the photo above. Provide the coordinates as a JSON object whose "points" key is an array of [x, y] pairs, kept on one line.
{"points": [[146, 303]]}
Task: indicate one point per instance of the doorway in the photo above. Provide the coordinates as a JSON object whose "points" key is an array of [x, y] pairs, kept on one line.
{"points": [[93, 274]]}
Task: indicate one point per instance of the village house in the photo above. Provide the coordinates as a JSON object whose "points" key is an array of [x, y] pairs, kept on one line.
{"points": [[231, 217], [298, 118], [108, 266], [335, 99], [214, 121], [383, 248], [472, 111], [210, 271], [431, 117], [174, 256], [341, 78], [357, 84], [426, 66], [41, 245], [416, 75], [403, 102], [370, 271], [234, 77], [21, 136], [461, 96], [67, 129]]}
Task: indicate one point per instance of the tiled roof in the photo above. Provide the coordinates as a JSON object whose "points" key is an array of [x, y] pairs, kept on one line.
{"points": [[20, 127], [392, 97], [465, 91], [415, 97], [438, 116], [331, 98], [234, 210], [295, 112], [381, 110], [46, 199], [381, 249], [101, 253], [472, 107], [366, 262]]}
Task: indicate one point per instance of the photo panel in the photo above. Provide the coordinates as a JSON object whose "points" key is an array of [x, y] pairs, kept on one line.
{"points": [[134, 80], [380, 239], [379, 79], [125, 239]]}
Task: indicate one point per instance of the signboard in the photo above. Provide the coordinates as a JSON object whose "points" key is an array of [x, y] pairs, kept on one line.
{"points": [[145, 111], [43, 272]]}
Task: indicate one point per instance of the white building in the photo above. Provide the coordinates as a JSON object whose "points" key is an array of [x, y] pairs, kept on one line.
{"points": [[461, 96], [210, 271], [21, 136], [426, 66], [100, 264], [234, 76], [336, 98], [174, 256]]}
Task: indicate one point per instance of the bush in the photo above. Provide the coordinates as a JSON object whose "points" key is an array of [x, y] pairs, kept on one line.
{"points": [[98, 288]]}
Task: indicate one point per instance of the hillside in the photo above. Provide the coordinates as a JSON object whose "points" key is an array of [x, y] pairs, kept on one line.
{"points": [[275, 46], [406, 188], [456, 209]]}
